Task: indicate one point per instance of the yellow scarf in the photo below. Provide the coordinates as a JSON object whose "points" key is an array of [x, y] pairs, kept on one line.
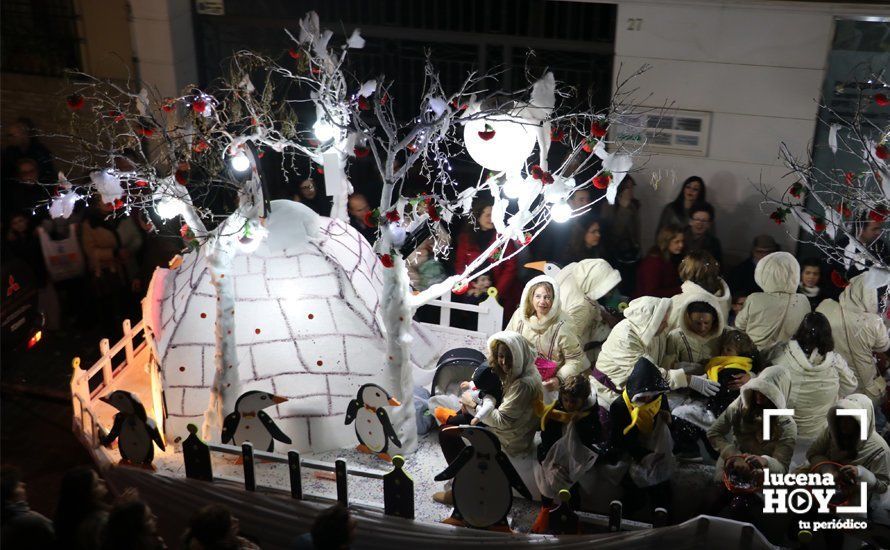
{"points": [[549, 411], [642, 417], [717, 364]]}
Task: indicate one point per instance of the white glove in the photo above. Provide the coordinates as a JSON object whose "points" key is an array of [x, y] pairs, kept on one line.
{"points": [[689, 368], [702, 385]]}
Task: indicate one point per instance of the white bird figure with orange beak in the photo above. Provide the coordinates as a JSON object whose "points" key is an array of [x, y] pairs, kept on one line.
{"points": [[372, 426]]}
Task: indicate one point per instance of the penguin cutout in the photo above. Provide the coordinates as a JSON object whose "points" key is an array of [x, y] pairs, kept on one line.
{"points": [[484, 480], [372, 426], [136, 433], [248, 422]]}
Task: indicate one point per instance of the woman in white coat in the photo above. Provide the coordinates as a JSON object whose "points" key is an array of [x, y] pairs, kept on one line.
{"points": [[700, 273], [581, 284], [859, 332], [772, 316], [812, 376], [539, 318]]}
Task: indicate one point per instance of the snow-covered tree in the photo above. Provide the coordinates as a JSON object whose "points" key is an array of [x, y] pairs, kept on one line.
{"points": [[842, 209]]}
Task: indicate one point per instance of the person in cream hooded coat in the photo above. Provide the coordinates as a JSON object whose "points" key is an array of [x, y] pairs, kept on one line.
{"points": [[514, 421], [870, 458], [813, 376], [859, 332], [772, 316], [739, 431], [684, 344], [581, 284], [552, 336], [641, 333]]}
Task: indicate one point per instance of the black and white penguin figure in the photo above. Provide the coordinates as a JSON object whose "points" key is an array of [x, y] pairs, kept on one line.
{"points": [[372, 426], [136, 433], [248, 422], [484, 480]]}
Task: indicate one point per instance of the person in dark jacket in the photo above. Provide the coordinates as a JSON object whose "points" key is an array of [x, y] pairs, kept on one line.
{"points": [[698, 235], [741, 277], [634, 417], [359, 211], [21, 527]]}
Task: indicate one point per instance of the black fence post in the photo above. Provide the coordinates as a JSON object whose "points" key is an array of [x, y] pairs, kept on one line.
{"points": [[296, 481], [398, 491], [196, 456], [342, 484], [249, 474]]}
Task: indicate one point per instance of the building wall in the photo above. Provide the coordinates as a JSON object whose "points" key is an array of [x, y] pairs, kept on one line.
{"points": [[758, 68]]}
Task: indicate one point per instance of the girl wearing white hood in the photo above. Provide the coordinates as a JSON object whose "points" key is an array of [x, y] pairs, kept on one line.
{"points": [[813, 376], [700, 274], [858, 333], [641, 333], [540, 320], [514, 421], [581, 284], [772, 316]]}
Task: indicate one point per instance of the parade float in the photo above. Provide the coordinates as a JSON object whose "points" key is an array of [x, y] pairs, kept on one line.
{"points": [[278, 319]]}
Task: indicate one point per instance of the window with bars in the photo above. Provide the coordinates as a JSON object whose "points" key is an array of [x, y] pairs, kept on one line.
{"points": [[38, 37]]}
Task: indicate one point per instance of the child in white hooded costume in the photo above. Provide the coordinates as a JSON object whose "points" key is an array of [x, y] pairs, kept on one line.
{"points": [[548, 330], [581, 284], [772, 316]]}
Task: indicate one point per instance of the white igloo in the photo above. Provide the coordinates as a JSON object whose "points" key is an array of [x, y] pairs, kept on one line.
{"points": [[308, 328]]}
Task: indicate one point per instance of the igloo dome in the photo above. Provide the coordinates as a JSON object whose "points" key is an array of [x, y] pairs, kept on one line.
{"points": [[307, 327]]}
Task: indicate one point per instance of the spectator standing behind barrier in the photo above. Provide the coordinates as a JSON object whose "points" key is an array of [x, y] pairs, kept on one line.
{"points": [[772, 316], [20, 527], [359, 211], [657, 275], [621, 226], [698, 234], [741, 277], [81, 512], [677, 212]]}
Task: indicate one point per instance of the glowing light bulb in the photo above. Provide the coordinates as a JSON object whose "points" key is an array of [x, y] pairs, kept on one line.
{"points": [[513, 187], [561, 212], [324, 130], [240, 162], [168, 207]]}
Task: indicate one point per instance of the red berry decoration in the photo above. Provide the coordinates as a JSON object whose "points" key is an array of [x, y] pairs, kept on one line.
{"points": [[201, 146], [386, 260], [546, 178], [294, 53], [819, 224], [199, 105], [881, 100], [181, 177], [838, 280], [432, 210], [881, 151], [392, 216], [487, 134], [878, 214], [361, 152], [557, 135], [598, 129], [849, 177], [795, 190], [412, 147], [384, 99], [117, 204], [779, 215], [371, 218], [141, 183], [168, 105], [145, 131], [537, 172], [843, 210], [75, 102], [320, 169], [116, 115], [364, 104], [461, 289], [587, 147], [602, 180]]}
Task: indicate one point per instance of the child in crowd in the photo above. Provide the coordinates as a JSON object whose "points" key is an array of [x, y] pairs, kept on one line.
{"points": [[560, 468], [772, 316], [639, 421], [478, 292], [737, 435], [862, 460], [480, 396], [810, 275], [732, 368], [738, 302], [423, 269]]}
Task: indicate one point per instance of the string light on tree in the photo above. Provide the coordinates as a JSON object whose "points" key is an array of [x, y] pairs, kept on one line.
{"points": [[561, 212], [240, 162]]}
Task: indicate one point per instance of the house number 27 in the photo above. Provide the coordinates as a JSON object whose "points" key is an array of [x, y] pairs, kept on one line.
{"points": [[634, 23]]}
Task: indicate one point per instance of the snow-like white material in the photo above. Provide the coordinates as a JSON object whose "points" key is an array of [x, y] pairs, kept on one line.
{"points": [[307, 327], [107, 184]]}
